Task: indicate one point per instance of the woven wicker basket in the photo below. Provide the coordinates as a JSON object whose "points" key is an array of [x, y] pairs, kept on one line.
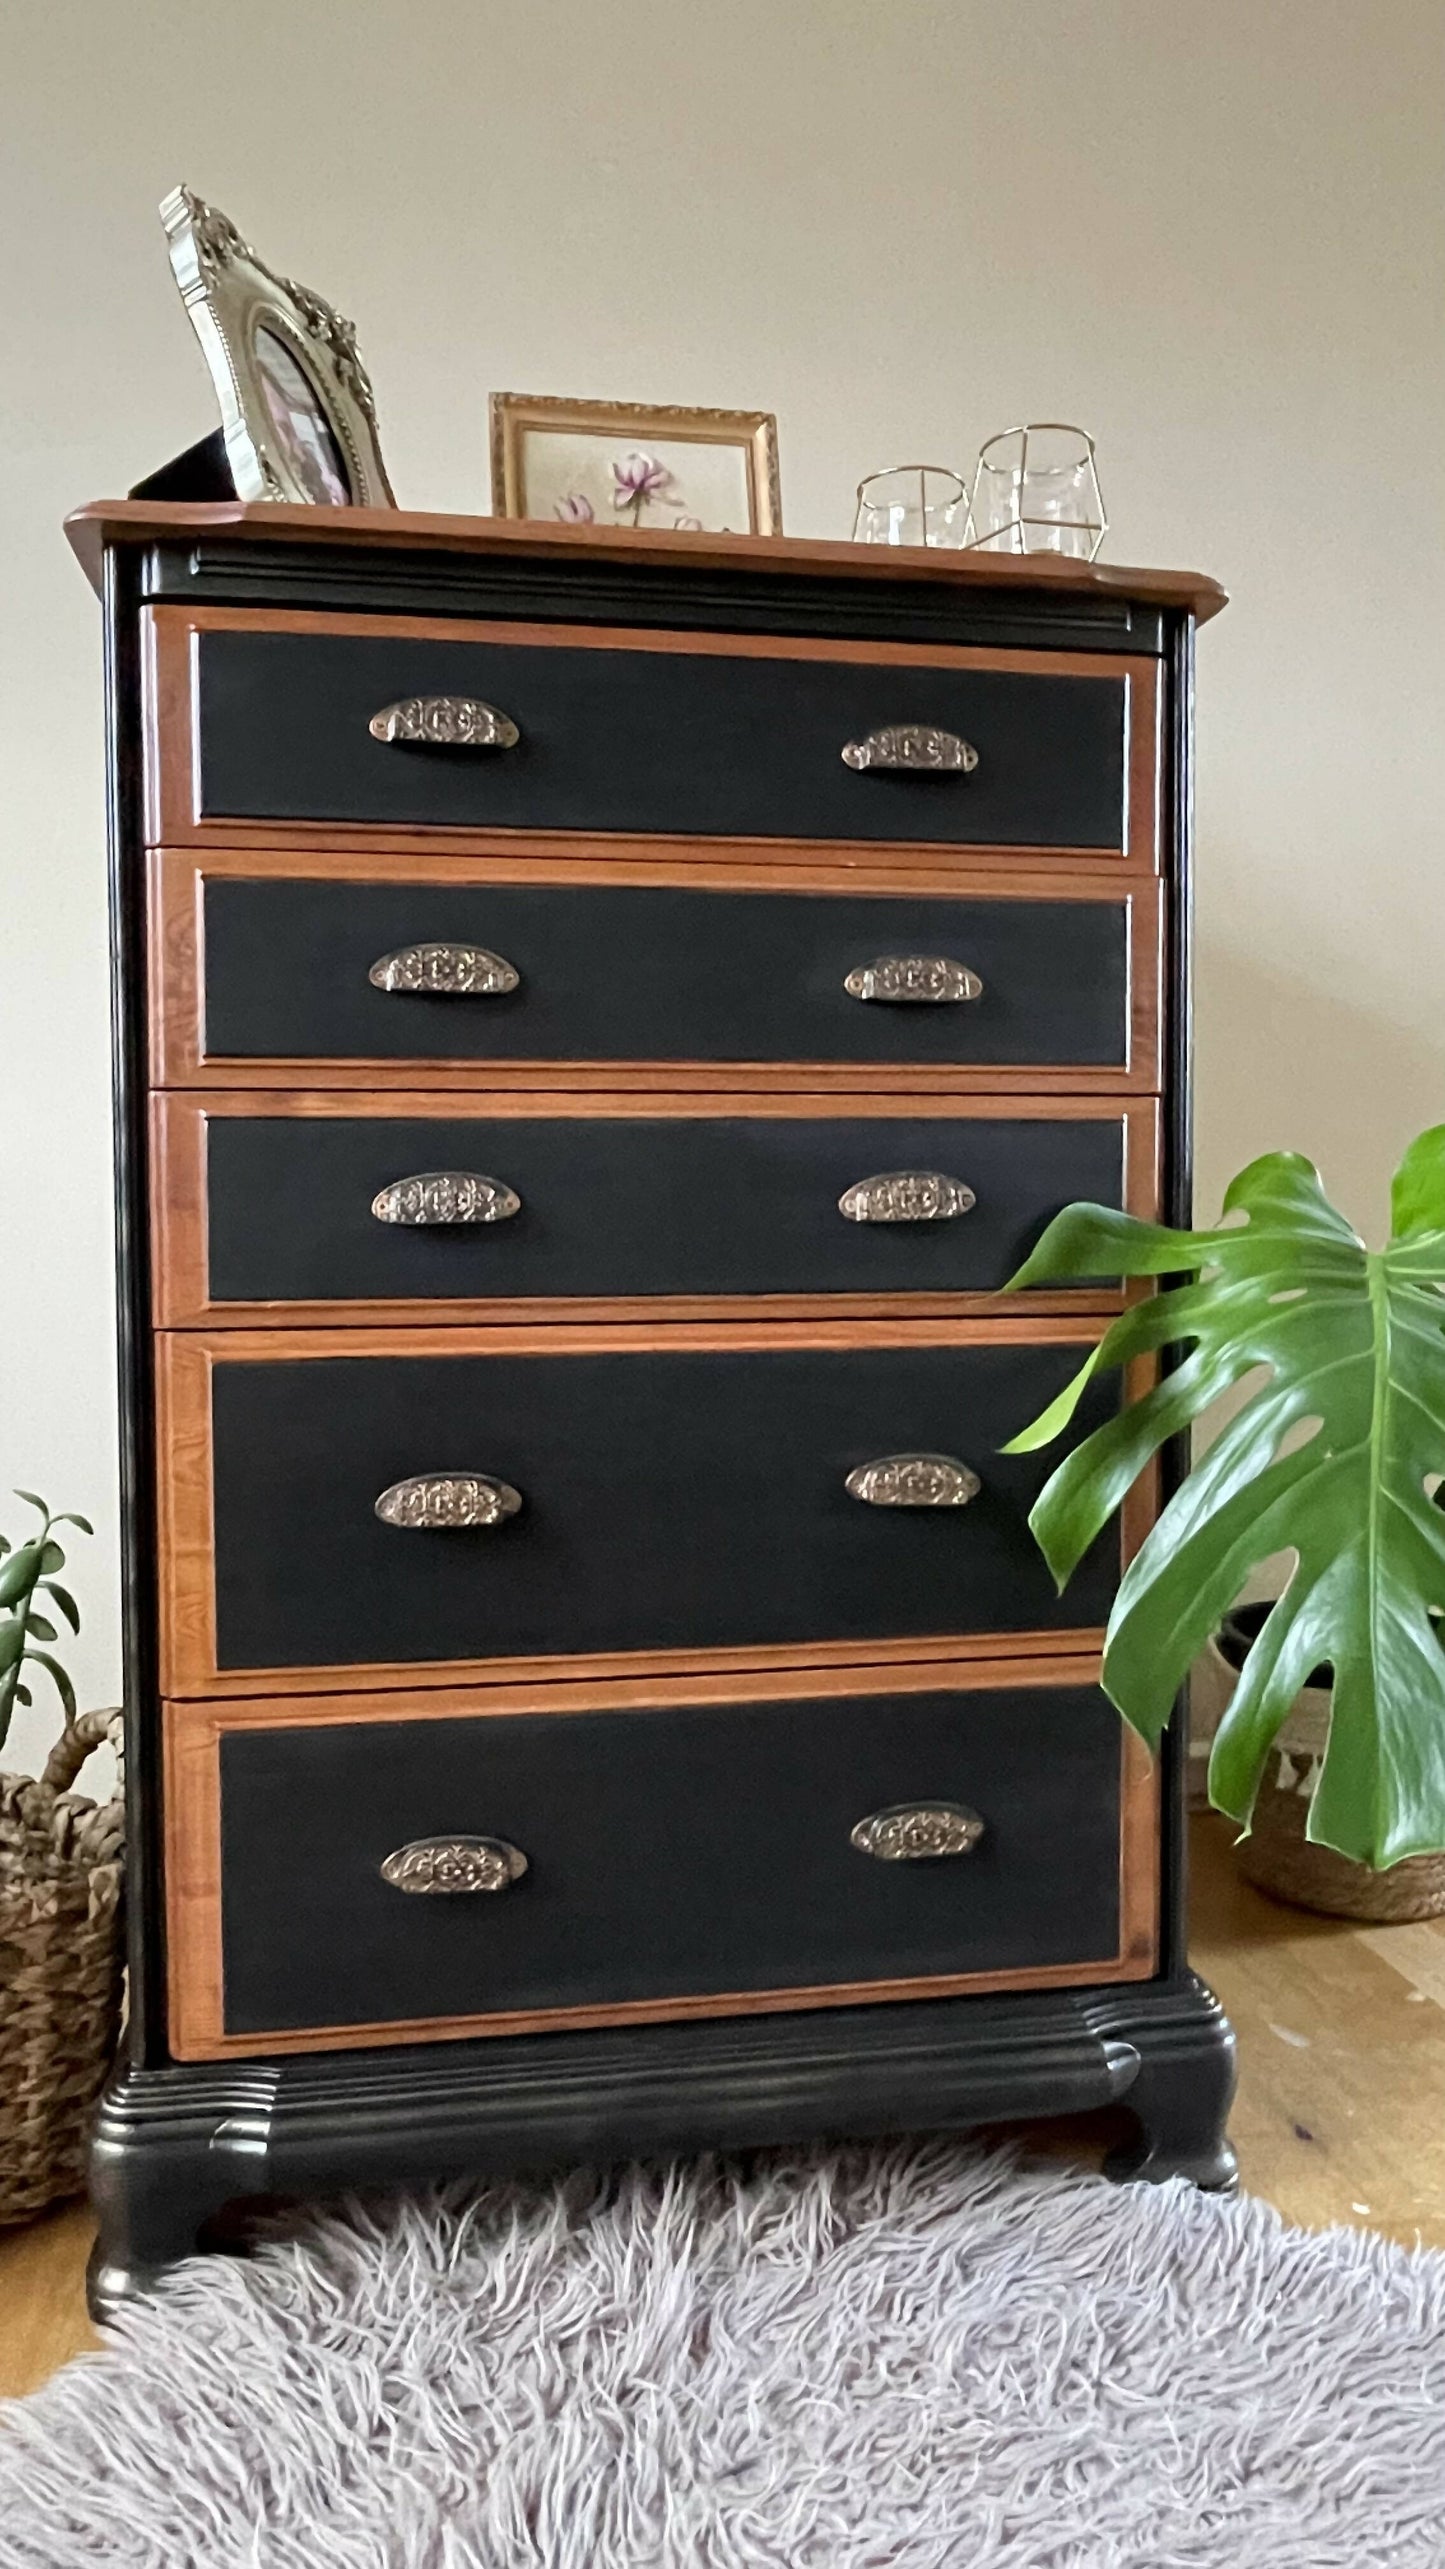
{"points": [[1276, 1856], [61, 1875]]}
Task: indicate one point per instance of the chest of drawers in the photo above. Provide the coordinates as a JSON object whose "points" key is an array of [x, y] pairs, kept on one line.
{"points": [[599, 1019]]}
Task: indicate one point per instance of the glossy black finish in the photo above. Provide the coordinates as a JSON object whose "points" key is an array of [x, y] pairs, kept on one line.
{"points": [[725, 745], [681, 596], [145, 1915], [1178, 1194], [670, 1501], [626, 974], [1180, 2102], [685, 1853], [646, 1205], [176, 2146]]}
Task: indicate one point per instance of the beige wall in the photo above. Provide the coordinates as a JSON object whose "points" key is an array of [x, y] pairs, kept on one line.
{"points": [[1210, 232]]}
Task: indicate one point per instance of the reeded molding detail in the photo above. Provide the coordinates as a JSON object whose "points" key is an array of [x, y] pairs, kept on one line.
{"points": [[447, 1501], [922, 748], [914, 1481], [453, 1864], [926, 980], [445, 972], [441, 1196], [907, 1195], [908, 1831], [445, 722]]}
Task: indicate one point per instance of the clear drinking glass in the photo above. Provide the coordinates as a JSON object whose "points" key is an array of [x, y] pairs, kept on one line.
{"points": [[1036, 490], [912, 504]]}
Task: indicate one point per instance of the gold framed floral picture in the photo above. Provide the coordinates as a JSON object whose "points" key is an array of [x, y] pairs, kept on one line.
{"points": [[616, 463]]}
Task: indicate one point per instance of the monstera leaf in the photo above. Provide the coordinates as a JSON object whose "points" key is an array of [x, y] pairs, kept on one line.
{"points": [[1335, 1458]]}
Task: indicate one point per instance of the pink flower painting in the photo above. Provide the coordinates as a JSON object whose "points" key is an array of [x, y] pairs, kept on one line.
{"points": [[630, 487], [636, 480]]}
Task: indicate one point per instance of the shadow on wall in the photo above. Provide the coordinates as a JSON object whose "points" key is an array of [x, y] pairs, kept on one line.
{"points": [[1289, 1064]]}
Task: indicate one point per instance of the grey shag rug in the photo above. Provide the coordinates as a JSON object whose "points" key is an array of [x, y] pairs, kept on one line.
{"points": [[885, 2358]]}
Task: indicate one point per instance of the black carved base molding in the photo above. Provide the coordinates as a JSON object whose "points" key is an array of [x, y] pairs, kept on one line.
{"points": [[175, 2147]]}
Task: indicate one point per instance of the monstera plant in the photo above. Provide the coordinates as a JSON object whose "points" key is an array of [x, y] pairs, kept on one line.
{"points": [[1336, 1458]]}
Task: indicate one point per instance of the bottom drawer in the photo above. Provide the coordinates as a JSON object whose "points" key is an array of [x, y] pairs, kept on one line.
{"points": [[374, 1869]]}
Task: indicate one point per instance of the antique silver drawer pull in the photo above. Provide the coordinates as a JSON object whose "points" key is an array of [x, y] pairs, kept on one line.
{"points": [[926, 980], [905, 1195], [445, 722], [907, 1831], [448, 1500], [441, 1196], [445, 972], [920, 748], [913, 1481], [455, 1864]]}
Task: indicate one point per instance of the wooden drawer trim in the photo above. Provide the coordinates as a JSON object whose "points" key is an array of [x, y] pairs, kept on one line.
{"points": [[179, 1122], [192, 1740], [194, 1678], [766, 559], [172, 731], [186, 1532], [176, 946]]}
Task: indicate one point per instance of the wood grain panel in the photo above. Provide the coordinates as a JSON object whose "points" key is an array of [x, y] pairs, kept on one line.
{"points": [[173, 801], [394, 530], [177, 975], [198, 1681], [180, 1122], [193, 1735], [186, 1526], [1060, 1660]]}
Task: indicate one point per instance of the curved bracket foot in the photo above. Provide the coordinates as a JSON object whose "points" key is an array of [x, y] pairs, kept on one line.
{"points": [[1182, 2089]]}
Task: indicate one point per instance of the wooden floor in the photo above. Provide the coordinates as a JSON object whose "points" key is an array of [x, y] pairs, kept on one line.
{"points": [[1339, 2119]]}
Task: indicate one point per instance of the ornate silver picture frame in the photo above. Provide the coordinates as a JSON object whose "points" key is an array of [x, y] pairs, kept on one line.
{"points": [[297, 411]]}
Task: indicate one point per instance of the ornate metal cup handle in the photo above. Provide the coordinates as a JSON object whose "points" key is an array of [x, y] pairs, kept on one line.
{"points": [[919, 749], [444, 722], [438, 1197], [913, 1481], [923, 980], [447, 1501], [454, 1864], [908, 1831], [445, 972], [906, 1195]]}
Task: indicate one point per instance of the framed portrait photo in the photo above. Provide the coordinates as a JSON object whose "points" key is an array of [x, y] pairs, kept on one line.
{"points": [[616, 463], [297, 412]]}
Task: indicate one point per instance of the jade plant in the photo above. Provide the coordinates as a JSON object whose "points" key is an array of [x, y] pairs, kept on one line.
{"points": [[1335, 1457], [28, 1588]]}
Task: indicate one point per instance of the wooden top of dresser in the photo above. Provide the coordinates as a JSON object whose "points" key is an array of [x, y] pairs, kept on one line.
{"points": [[105, 522]]}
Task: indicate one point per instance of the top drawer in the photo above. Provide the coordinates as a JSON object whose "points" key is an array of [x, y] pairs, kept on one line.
{"points": [[672, 734]]}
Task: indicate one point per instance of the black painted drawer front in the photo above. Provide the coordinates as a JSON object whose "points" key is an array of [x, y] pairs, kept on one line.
{"points": [[678, 1853], [670, 1501], [715, 744], [635, 1206], [629, 974]]}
